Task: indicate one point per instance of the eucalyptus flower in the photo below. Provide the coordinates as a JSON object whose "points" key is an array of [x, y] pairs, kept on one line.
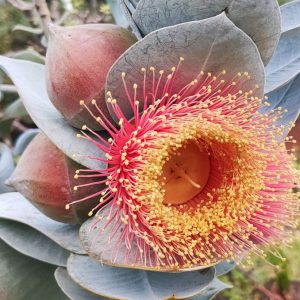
{"points": [[196, 174], [190, 172]]}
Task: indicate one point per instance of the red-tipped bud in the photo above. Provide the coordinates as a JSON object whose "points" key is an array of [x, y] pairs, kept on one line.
{"points": [[47, 178], [77, 62]]}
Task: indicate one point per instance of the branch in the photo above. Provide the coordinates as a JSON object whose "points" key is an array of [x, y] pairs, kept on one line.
{"points": [[8, 88], [268, 293], [22, 5], [43, 10]]}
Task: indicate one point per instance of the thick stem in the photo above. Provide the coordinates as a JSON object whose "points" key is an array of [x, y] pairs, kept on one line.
{"points": [[43, 10], [54, 8]]}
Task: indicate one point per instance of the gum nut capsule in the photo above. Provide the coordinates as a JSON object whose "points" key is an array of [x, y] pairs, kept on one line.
{"points": [[47, 178], [77, 62]]}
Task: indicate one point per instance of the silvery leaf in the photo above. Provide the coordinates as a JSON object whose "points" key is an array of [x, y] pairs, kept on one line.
{"points": [[259, 19], [128, 9], [132, 284], [290, 15], [14, 207], [72, 289], [117, 13], [162, 50], [28, 54], [32, 243], [24, 139], [285, 63], [7, 166], [287, 97], [224, 267], [212, 290], [15, 110]]}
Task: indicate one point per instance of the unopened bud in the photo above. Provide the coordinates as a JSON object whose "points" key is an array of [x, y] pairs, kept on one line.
{"points": [[77, 62]]}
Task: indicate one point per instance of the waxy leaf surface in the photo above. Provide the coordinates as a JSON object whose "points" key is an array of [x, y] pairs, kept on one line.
{"points": [[13, 206], [117, 13], [226, 47], [71, 288], [24, 139], [212, 290], [132, 284], [224, 267], [285, 63], [129, 7], [32, 243], [7, 166], [259, 19], [288, 98]]}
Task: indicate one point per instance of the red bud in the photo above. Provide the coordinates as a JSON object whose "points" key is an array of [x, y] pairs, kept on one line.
{"points": [[45, 176], [77, 62]]}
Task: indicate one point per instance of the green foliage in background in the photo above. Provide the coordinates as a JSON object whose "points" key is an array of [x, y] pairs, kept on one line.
{"points": [[283, 1], [9, 17]]}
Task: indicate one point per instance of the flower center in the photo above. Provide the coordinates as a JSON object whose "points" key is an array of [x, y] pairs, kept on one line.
{"points": [[185, 174]]}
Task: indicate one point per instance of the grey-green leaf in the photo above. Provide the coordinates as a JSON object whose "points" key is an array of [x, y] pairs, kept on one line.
{"points": [[72, 289], [32, 243], [15, 110], [212, 290], [28, 29], [180, 285], [128, 10], [224, 267], [13, 206], [7, 166], [117, 13], [29, 54], [24, 139], [131, 284], [23, 278], [287, 97], [225, 47], [285, 63], [290, 15], [259, 19], [29, 79]]}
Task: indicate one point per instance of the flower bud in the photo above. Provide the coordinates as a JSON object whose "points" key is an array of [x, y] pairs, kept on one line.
{"points": [[45, 176], [77, 62]]}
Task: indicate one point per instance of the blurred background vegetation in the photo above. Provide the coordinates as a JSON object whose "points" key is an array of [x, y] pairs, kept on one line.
{"points": [[21, 36]]}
